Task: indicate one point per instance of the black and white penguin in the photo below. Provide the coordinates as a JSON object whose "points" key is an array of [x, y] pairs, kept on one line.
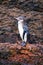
{"points": [[23, 29]]}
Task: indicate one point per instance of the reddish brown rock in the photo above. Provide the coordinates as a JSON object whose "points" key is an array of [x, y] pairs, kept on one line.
{"points": [[15, 52]]}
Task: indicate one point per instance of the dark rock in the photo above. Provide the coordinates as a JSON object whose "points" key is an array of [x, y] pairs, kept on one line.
{"points": [[7, 29]]}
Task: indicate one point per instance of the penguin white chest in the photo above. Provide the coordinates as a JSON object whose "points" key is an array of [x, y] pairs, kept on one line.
{"points": [[20, 28]]}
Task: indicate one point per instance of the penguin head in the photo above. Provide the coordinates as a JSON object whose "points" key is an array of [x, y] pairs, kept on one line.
{"points": [[20, 18]]}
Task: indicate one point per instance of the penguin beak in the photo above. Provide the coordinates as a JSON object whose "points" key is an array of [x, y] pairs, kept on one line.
{"points": [[17, 18]]}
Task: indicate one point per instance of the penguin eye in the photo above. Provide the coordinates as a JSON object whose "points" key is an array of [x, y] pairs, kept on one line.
{"points": [[20, 18]]}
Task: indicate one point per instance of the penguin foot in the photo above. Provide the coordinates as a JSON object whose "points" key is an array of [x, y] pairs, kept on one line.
{"points": [[23, 44]]}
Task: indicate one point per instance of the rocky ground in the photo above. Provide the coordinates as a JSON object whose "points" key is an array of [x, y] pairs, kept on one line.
{"points": [[11, 52], [14, 54]]}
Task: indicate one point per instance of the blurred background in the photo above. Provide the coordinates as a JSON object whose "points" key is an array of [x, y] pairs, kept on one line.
{"points": [[10, 9]]}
